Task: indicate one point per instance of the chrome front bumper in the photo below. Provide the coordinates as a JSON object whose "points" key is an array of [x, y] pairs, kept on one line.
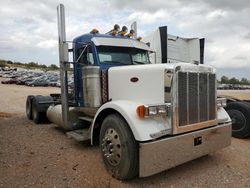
{"points": [[164, 154]]}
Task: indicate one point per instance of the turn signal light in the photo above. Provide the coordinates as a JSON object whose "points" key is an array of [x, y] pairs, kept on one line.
{"points": [[141, 111]]}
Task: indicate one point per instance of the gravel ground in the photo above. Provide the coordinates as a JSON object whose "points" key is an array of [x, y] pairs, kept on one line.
{"points": [[42, 156], [238, 94]]}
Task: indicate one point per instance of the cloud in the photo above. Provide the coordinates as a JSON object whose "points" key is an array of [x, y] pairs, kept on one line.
{"points": [[29, 28], [228, 4]]}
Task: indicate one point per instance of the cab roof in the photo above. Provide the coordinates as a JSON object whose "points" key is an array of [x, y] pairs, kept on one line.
{"points": [[110, 40]]}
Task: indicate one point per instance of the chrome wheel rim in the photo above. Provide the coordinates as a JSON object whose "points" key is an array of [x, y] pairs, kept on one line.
{"points": [[111, 147]]}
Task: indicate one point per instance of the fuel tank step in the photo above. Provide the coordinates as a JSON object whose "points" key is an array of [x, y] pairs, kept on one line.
{"points": [[86, 118], [79, 135]]}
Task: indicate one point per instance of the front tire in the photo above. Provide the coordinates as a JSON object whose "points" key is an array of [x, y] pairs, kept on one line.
{"points": [[118, 148], [239, 112]]}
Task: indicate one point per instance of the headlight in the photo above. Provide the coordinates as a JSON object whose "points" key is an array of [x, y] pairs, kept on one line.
{"points": [[221, 102], [153, 110]]}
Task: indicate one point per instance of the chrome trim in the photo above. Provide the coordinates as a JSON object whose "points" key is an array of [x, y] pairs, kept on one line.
{"points": [[164, 154], [188, 123], [187, 98], [207, 96], [166, 105], [160, 133], [198, 94], [63, 58]]}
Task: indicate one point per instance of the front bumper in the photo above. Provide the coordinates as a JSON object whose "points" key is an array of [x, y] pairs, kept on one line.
{"points": [[166, 153]]}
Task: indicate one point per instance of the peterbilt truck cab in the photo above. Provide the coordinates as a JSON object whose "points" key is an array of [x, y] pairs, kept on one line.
{"points": [[145, 117]]}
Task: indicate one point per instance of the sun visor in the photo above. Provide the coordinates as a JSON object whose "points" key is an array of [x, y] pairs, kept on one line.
{"points": [[120, 42]]}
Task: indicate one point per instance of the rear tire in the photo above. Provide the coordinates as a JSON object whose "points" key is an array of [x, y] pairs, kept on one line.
{"points": [[118, 148], [29, 107], [39, 109], [239, 112], [35, 113]]}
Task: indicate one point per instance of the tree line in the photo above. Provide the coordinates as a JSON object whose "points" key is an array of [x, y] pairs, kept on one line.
{"points": [[234, 81], [30, 65]]}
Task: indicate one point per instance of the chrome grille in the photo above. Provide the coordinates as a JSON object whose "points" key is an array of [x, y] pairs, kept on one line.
{"points": [[196, 97], [182, 98], [203, 88], [193, 98], [212, 101]]}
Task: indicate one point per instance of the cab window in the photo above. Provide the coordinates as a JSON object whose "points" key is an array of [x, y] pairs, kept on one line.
{"points": [[85, 55]]}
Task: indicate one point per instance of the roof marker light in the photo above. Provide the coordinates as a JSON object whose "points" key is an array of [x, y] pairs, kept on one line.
{"points": [[94, 31], [138, 38]]}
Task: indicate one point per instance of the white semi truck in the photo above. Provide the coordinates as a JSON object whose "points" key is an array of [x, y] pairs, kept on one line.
{"points": [[146, 117]]}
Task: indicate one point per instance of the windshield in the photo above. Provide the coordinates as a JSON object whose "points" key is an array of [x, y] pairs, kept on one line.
{"points": [[122, 55]]}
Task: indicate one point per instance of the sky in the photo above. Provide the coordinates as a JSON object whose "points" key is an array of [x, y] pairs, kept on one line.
{"points": [[28, 29]]}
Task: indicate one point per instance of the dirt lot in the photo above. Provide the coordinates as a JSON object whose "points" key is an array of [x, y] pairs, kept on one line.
{"points": [[238, 94], [42, 156]]}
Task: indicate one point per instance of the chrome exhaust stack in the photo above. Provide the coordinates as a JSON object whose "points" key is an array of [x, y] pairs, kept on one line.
{"points": [[63, 59]]}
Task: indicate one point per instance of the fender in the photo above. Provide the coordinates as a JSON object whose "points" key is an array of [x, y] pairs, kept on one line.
{"points": [[143, 129], [222, 116]]}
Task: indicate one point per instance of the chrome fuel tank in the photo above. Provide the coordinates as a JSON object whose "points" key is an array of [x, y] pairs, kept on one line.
{"points": [[91, 86], [54, 115]]}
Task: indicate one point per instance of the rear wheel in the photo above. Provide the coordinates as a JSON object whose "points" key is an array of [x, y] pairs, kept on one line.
{"points": [[29, 107], [39, 108], [118, 148], [37, 116], [239, 112]]}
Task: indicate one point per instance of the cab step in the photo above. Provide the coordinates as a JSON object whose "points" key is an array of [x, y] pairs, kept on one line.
{"points": [[86, 118], [80, 134]]}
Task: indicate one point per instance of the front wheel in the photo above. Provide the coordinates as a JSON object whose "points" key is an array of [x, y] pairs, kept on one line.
{"points": [[118, 148]]}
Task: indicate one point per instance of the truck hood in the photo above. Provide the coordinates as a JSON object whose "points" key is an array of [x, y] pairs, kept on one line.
{"points": [[145, 83]]}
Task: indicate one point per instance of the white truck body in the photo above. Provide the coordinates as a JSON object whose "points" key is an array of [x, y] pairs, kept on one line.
{"points": [[157, 154], [146, 117]]}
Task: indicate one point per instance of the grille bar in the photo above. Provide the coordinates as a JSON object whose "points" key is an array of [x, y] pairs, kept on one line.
{"points": [[182, 97], [203, 97], [212, 90], [193, 97], [196, 97]]}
